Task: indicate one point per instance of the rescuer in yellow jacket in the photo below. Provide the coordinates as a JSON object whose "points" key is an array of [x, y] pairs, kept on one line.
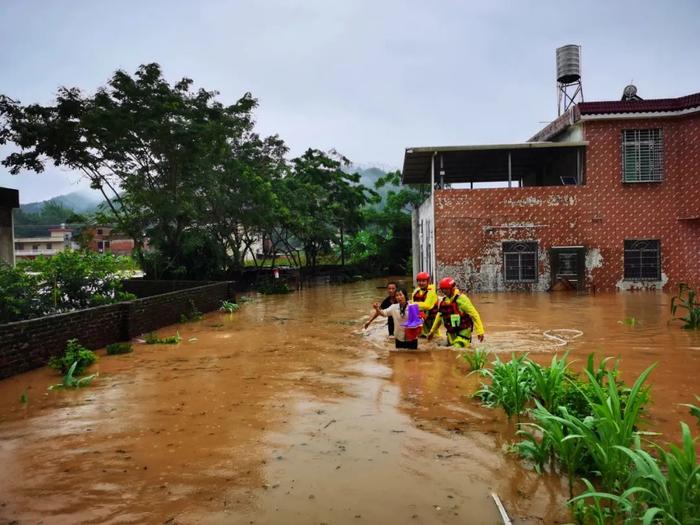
{"points": [[426, 299], [457, 313]]}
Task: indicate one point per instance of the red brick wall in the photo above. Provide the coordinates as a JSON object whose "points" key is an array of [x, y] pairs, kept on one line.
{"points": [[471, 224]]}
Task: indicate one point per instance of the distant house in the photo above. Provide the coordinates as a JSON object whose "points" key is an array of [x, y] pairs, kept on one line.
{"points": [[60, 238], [605, 197], [9, 199], [106, 239]]}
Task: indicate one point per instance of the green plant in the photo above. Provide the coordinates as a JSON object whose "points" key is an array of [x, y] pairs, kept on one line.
{"points": [[273, 286], [629, 321], [694, 409], [153, 339], [70, 381], [476, 359], [192, 315], [614, 423], [688, 300], [119, 348], [229, 306], [548, 382], [24, 398], [74, 353], [511, 385]]}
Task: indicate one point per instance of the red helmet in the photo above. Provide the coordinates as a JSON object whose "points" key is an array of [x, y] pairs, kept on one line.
{"points": [[423, 276], [447, 283]]}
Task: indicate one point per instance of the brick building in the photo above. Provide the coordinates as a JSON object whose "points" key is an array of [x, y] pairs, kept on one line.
{"points": [[605, 197], [106, 239]]}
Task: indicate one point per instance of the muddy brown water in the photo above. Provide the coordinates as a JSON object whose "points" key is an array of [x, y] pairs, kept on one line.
{"points": [[287, 412]]}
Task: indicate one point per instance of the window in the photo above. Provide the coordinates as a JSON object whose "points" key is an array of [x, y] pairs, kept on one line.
{"points": [[643, 260], [520, 260], [99, 231], [48, 246], [35, 247], [642, 155]]}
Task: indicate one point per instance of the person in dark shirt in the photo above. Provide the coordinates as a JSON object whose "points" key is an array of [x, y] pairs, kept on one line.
{"points": [[386, 303]]}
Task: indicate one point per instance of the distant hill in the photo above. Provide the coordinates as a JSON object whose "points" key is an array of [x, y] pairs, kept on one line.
{"points": [[79, 201]]}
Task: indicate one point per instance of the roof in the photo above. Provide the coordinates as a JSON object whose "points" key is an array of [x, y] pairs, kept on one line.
{"points": [[9, 198], [656, 105], [486, 162]]}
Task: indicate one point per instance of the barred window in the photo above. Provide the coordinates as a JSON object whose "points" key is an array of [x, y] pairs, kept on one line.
{"points": [[643, 260], [642, 155], [520, 261]]}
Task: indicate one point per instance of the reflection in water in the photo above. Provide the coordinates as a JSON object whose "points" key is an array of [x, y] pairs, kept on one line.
{"points": [[287, 412]]}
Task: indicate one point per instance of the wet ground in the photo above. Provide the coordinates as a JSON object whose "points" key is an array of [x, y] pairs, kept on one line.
{"points": [[287, 412]]}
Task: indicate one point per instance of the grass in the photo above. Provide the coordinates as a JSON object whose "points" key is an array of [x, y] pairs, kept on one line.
{"points": [[153, 339], [119, 348], [688, 300]]}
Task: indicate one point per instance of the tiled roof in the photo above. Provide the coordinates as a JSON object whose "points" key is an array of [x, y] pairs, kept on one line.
{"points": [[640, 106]]}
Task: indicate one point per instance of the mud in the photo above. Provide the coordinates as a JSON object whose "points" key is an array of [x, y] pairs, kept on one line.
{"points": [[287, 412]]}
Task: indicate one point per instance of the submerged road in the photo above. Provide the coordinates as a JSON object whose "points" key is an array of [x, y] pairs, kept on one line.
{"points": [[287, 412]]}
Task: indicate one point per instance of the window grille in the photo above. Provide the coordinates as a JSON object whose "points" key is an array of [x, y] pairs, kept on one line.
{"points": [[642, 155], [520, 261], [643, 260]]}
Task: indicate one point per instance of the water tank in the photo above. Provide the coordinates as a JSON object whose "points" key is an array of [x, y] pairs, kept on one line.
{"points": [[568, 63]]}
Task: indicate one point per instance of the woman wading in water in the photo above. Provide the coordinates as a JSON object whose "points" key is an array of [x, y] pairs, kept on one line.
{"points": [[398, 311]]}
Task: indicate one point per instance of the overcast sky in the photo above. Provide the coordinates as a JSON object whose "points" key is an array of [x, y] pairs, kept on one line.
{"points": [[368, 78]]}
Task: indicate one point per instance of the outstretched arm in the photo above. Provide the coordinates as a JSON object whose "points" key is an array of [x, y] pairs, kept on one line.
{"points": [[467, 307], [374, 316], [436, 326]]}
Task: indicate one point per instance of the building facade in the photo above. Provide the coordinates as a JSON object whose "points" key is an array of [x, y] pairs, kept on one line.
{"points": [[9, 200], [606, 197], [59, 239]]}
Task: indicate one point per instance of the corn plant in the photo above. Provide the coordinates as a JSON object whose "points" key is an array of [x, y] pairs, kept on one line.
{"points": [[688, 300], [476, 359], [70, 381], [613, 424], [694, 409], [601, 508], [558, 440], [548, 382], [511, 386], [229, 307], [666, 491]]}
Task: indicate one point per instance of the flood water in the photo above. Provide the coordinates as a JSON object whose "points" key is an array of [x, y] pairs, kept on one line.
{"points": [[287, 412]]}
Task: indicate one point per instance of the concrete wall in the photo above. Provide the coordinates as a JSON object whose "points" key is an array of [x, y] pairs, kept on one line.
{"points": [[471, 225], [7, 240], [25, 345]]}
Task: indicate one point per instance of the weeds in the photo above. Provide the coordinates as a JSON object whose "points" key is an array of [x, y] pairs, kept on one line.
{"points": [[548, 382], [192, 315], [76, 354], [229, 307], [153, 339], [24, 398], [688, 300], [476, 359], [70, 381], [119, 348], [273, 286]]}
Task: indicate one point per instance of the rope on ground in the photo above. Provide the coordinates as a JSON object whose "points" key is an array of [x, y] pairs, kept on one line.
{"points": [[562, 336]]}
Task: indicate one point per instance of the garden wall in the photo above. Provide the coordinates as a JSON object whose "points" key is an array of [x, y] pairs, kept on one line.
{"points": [[25, 345]]}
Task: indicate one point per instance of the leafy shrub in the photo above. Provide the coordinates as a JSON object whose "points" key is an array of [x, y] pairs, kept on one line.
{"points": [[229, 306], [273, 286], [192, 315], [119, 348], [153, 339], [76, 354], [18, 295]]}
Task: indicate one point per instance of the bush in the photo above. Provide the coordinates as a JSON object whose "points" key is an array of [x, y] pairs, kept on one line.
{"points": [[119, 348], [153, 339], [74, 353]]}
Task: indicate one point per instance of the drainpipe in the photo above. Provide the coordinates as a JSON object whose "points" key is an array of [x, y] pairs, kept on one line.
{"points": [[510, 171], [432, 232]]}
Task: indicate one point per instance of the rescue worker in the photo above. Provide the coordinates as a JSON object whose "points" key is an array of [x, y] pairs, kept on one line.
{"points": [[457, 313], [427, 300]]}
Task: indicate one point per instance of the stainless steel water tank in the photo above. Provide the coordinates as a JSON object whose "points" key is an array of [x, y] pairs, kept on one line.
{"points": [[568, 63]]}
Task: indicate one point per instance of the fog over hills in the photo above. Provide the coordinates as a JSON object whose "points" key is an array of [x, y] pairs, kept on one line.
{"points": [[79, 201]]}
